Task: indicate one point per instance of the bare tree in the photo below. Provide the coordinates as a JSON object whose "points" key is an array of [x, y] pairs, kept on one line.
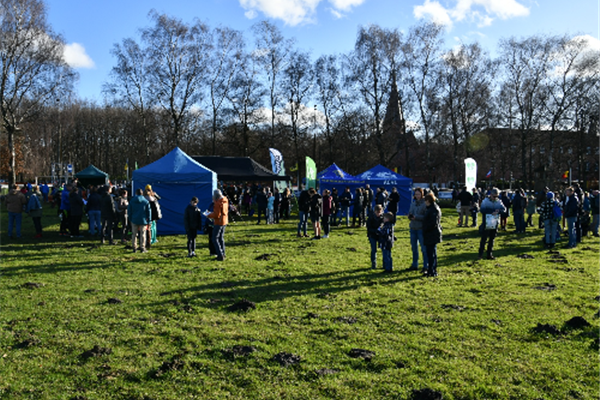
{"points": [[526, 65], [130, 85], [421, 52], [224, 63], [273, 50], [179, 55], [372, 63], [298, 81], [33, 71], [327, 80]]}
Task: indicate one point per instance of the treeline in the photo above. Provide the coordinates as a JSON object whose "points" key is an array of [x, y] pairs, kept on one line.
{"points": [[401, 100]]}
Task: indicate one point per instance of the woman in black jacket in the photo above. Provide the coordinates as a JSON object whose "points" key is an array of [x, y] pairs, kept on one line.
{"points": [[432, 232]]}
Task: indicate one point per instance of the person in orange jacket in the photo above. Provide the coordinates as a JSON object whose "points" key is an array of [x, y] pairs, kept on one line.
{"points": [[220, 216]]}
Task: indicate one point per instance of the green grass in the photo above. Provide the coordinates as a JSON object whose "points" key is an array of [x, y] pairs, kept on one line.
{"points": [[467, 334]]}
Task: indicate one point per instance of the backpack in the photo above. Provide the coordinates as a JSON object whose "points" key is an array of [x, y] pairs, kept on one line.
{"points": [[556, 211]]}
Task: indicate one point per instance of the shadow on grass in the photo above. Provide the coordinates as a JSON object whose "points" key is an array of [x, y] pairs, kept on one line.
{"points": [[324, 285]]}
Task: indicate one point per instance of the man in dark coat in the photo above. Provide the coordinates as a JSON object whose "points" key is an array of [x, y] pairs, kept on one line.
{"points": [[192, 222], [108, 214]]}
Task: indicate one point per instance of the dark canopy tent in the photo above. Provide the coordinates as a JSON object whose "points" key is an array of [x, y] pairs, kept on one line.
{"points": [[176, 178], [238, 169], [380, 176], [92, 176]]}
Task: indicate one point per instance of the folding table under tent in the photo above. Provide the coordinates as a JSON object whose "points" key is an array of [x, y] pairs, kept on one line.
{"points": [[176, 178], [92, 176], [380, 176], [335, 177]]}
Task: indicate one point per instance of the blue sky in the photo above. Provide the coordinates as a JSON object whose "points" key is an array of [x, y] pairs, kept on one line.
{"points": [[91, 28]]}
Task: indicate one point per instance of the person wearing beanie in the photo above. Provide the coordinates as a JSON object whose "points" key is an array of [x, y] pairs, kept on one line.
{"points": [[491, 208]]}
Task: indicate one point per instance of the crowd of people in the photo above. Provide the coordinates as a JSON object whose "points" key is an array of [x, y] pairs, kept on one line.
{"points": [[111, 211]]}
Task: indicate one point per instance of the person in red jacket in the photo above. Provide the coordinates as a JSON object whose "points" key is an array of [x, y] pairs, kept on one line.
{"points": [[220, 216]]}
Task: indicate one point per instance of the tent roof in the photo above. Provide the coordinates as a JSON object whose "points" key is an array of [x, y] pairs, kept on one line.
{"points": [[379, 172], [175, 164], [91, 172], [335, 173], [238, 169]]}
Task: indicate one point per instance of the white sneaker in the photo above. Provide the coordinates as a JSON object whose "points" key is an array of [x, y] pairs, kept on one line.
{"points": [[325, 236]]}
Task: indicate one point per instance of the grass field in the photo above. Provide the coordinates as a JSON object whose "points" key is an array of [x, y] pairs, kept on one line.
{"points": [[83, 321]]}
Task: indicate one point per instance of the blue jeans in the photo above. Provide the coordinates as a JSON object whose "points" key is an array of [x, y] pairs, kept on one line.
{"points": [[432, 257], [519, 216], [219, 240], [14, 219], [595, 223], [303, 215], [387, 259], [416, 236], [550, 226], [95, 224], [373, 242], [572, 232]]}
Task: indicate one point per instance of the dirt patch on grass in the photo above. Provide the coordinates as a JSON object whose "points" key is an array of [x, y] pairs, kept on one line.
{"points": [[347, 320], [286, 359], [32, 285], [264, 257], [525, 256], [95, 351], [242, 305], [546, 328], [326, 371], [175, 364], [361, 353], [547, 286], [114, 300], [238, 351], [426, 394], [453, 307], [577, 323]]}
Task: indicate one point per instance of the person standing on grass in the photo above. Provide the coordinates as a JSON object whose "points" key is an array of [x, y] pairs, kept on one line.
{"points": [[327, 211], [357, 207], [261, 204], [65, 210], [369, 197], [93, 208], [284, 208], [475, 204], [220, 216], [156, 214], [465, 199], [345, 201], [571, 210], [303, 210], [595, 208], [373, 224], [491, 209], [270, 208], [519, 203], [108, 213], [394, 199], [139, 213], [122, 203], [15, 201], [34, 209], [76, 203], [386, 240], [316, 212], [506, 213], [416, 213], [531, 202], [276, 205], [333, 220], [551, 219], [432, 232], [192, 222]]}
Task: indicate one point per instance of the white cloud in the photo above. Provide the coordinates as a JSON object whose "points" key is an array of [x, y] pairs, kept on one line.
{"points": [[433, 11], [295, 12], [75, 55], [345, 5], [482, 11], [292, 12]]}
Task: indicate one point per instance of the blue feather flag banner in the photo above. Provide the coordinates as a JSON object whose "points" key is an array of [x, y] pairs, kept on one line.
{"points": [[276, 161]]}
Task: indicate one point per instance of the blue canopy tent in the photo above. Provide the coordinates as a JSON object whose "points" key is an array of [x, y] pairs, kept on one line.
{"points": [[176, 178], [335, 177], [380, 176]]}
